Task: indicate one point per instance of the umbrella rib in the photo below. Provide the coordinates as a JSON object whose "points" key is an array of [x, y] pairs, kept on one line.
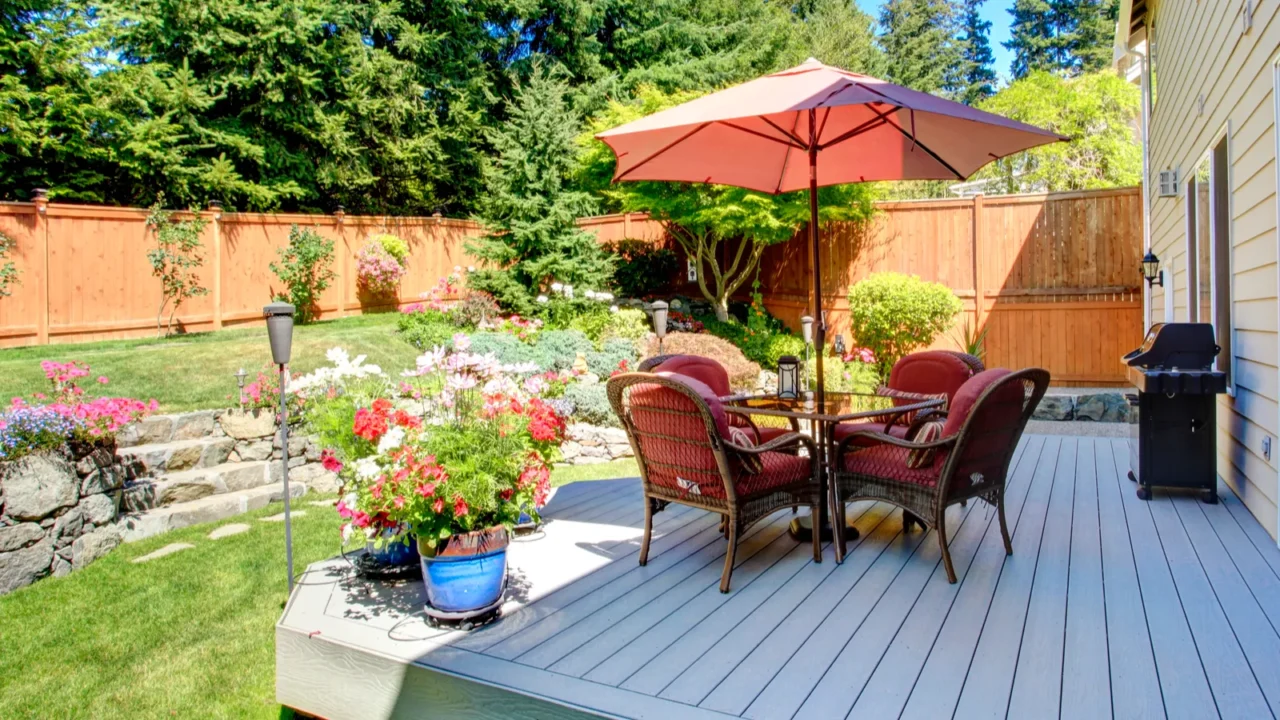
{"points": [[918, 143], [670, 145], [816, 140], [799, 143], [864, 127], [757, 133]]}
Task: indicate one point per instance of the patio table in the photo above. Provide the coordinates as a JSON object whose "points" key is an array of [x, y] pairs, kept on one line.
{"points": [[822, 416]]}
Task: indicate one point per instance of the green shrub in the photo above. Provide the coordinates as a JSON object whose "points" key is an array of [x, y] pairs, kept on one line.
{"points": [[642, 268], [766, 348], [893, 314], [591, 404], [305, 268], [743, 373], [592, 320], [507, 348], [474, 309], [394, 246], [557, 349], [855, 376], [613, 352], [511, 296], [628, 324], [425, 329]]}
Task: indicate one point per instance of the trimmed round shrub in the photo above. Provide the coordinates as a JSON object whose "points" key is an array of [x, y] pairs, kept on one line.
{"points": [[629, 324], [591, 404], [894, 314], [742, 372], [425, 329], [613, 352], [506, 347]]}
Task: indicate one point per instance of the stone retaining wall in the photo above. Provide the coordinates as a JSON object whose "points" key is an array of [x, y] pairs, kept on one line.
{"points": [[57, 513], [591, 444]]}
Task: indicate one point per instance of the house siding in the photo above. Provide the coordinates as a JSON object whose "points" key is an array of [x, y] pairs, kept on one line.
{"points": [[1201, 49]]}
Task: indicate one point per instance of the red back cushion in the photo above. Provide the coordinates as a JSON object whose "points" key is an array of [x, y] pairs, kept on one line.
{"points": [[994, 430], [707, 371], [672, 435], [930, 372]]}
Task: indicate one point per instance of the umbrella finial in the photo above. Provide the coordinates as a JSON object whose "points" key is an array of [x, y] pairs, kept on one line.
{"points": [[812, 59]]}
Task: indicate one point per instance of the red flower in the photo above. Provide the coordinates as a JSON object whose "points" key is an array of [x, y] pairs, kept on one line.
{"points": [[427, 490], [370, 425], [438, 505], [382, 406], [330, 461], [399, 501], [459, 506], [405, 420], [506, 494]]}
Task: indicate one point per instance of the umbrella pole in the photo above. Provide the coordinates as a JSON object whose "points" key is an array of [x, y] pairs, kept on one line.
{"points": [[820, 337]]}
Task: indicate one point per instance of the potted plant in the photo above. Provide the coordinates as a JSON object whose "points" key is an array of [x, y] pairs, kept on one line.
{"points": [[457, 479]]}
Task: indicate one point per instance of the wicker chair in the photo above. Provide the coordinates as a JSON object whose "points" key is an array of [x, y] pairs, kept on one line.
{"points": [[714, 376], [931, 372], [971, 460], [679, 432]]}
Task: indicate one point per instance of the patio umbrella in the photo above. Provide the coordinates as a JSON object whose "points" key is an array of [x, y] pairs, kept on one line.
{"points": [[810, 126]]}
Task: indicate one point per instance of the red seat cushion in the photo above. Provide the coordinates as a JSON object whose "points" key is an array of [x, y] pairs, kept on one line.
{"points": [[890, 461], [780, 469], [772, 433], [844, 430]]}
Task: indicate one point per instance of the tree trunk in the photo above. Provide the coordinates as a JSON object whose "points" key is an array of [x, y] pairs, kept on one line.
{"points": [[721, 306]]}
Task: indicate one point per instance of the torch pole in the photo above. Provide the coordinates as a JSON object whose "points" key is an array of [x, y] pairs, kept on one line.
{"points": [[284, 472]]}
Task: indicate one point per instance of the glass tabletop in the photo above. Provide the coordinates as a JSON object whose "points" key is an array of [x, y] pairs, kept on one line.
{"points": [[836, 406]]}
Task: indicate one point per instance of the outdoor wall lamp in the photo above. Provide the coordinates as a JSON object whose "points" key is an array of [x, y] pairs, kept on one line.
{"points": [[660, 321], [215, 207], [339, 214], [280, 334], [40, 197], [838, 346], [788, 377], [1151, 270]]}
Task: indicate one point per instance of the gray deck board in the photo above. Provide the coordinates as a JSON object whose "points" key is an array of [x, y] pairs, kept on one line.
{"points": [[1135, 685], [1109, 607]]}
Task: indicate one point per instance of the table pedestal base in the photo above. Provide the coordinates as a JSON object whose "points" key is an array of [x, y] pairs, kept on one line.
{"points": [[802, 530]]}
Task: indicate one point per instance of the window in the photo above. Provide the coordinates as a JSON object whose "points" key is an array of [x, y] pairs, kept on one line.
{"points": [[1209, 249]]}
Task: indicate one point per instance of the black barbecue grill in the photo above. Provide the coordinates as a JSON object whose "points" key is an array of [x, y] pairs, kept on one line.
{"points": [[1174, 442]]}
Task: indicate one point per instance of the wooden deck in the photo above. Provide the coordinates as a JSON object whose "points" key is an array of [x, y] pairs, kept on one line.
{"points": [[1109, 607]]}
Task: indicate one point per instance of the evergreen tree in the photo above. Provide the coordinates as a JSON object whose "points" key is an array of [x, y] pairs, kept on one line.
{"points": [[1031, 37], [529, 208], [979, 73], [1069, 37], [919, 44], [837, 33]]}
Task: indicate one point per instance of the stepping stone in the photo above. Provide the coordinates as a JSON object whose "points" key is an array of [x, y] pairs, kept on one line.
{"points": [[166, 550], [324, 503], [280, 517], [228, 531]]}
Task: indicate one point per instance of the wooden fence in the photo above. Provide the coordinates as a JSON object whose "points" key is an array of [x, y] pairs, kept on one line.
{"points": [[1053, 278]]}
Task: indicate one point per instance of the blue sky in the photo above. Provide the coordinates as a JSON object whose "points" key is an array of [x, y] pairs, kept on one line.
{"points": [[996, 11]]}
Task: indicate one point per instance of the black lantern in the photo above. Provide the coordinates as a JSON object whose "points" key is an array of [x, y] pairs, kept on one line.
{"points": [[280, 335], [838, 346], [1151, 270], [660, 321], [788, 377]]}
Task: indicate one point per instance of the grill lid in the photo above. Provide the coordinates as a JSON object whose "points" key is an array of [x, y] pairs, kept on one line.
{"points": [[1189, 346]]}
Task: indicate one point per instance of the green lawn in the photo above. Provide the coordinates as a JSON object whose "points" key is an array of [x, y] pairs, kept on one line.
{"points": [[190, 634], [197, 371]]}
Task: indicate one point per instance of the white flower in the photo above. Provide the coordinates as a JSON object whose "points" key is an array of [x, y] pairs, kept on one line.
{"points": [[607, 297], [457, 268], [542, 298], [347, 531], [461, 342], [367, 468], [391, 440], [613, 308], [556, 287], [568, 291], [471, 268], [590, 294]]}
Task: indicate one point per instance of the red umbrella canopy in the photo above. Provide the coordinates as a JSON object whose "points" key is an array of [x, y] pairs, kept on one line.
{"points": [[757, 135]]}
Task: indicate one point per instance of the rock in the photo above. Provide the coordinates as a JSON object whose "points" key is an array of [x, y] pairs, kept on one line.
{"points": [[61, 567], [324, 503], [595, 451], [253, 451], [70, 525], [99, 458], [217, 452], [155, 429], [23, 567], [64, 553], [314, 476], [248, 425], [588, 378], [620, 451], [1102, 407], [17, 537], [313, 451], [233, 457], [182, 458], [102, 480], [193, 425], [36, 485], [139, 497], [570, 450], [99, 509], [1055, 407], [180, 491], [297, 461], [280, 517], [94, 545], [169, 549], [588, 460], [228, 531], [243, 477]]}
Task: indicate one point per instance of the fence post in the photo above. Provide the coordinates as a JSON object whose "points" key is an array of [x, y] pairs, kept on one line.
{"points": [[41, 200], [626, 225], [979, 281], [215, 207], [339, 215]]}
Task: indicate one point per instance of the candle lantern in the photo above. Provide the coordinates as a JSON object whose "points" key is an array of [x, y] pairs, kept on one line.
{"points": [[806, 329], [838, 347], [660, 322], [788, 377], [279, 317]]}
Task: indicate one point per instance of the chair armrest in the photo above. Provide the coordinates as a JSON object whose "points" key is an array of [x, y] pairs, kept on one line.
{"points": [[782, 441], [886, 439]]}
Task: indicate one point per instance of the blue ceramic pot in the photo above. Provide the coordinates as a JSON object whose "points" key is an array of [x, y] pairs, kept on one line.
{"points": [[396, 552], [469, 573]]}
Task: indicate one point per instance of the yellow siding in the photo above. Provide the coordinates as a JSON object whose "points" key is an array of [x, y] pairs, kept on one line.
{"points": [[1201, 49]]}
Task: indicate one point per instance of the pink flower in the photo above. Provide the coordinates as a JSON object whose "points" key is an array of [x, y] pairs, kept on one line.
{"points": [[102, 379], [330, 461]]}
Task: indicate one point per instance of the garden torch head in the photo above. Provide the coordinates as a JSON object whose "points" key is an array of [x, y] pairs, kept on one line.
{"points": [[660, 319], [279, 330]]}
